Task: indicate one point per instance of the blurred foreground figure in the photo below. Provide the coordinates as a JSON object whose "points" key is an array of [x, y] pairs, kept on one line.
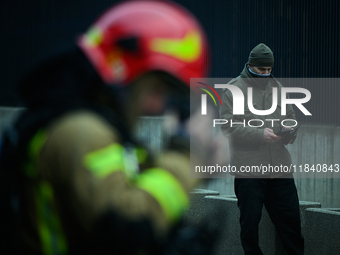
{"points": [[74, 180]]}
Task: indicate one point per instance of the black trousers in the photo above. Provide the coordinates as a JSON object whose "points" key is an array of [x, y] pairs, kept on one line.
{"points": [[279, 196]]}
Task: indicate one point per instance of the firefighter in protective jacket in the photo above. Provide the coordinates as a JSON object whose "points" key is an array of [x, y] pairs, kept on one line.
{"points": [[84, 185]]}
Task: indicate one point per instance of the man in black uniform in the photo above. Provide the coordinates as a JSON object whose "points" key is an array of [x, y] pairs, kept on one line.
{"points": [[256, 145]]}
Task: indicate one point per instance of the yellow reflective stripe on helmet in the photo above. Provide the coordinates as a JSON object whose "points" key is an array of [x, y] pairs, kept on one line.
{"points": [[50, 230], [94, 37], [167, 191], [105, 161], [187, 49]]}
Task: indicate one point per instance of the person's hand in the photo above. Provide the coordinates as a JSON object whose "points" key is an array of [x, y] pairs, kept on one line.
{"points": [[269, 136], [210, 148], [294, 137]]}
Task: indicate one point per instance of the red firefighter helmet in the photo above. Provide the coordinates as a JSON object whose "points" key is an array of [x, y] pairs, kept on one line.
{"points": [[135, 37]]}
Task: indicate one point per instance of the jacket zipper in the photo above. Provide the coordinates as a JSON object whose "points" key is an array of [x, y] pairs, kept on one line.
{"points": [[269, 145]]}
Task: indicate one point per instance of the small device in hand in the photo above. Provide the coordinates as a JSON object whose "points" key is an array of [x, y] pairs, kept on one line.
{"points": [[288, 134]]}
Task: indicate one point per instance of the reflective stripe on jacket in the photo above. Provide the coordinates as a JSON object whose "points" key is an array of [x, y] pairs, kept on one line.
{"points": [[80, 170]]}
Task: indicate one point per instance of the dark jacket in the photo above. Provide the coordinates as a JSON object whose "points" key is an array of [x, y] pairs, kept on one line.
{"points": [[247, 146]]}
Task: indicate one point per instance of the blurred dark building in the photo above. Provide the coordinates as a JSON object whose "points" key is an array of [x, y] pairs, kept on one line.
{"points": [[304, 36]]}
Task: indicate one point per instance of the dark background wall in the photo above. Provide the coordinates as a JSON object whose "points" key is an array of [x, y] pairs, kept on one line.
{"points": [[304, 36]]}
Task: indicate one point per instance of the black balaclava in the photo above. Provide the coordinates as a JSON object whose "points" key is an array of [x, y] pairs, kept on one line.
{"points": [[261, 55]]}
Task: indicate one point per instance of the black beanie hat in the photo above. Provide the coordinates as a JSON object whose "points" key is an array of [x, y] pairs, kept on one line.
{"points": [[261, 55]]}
